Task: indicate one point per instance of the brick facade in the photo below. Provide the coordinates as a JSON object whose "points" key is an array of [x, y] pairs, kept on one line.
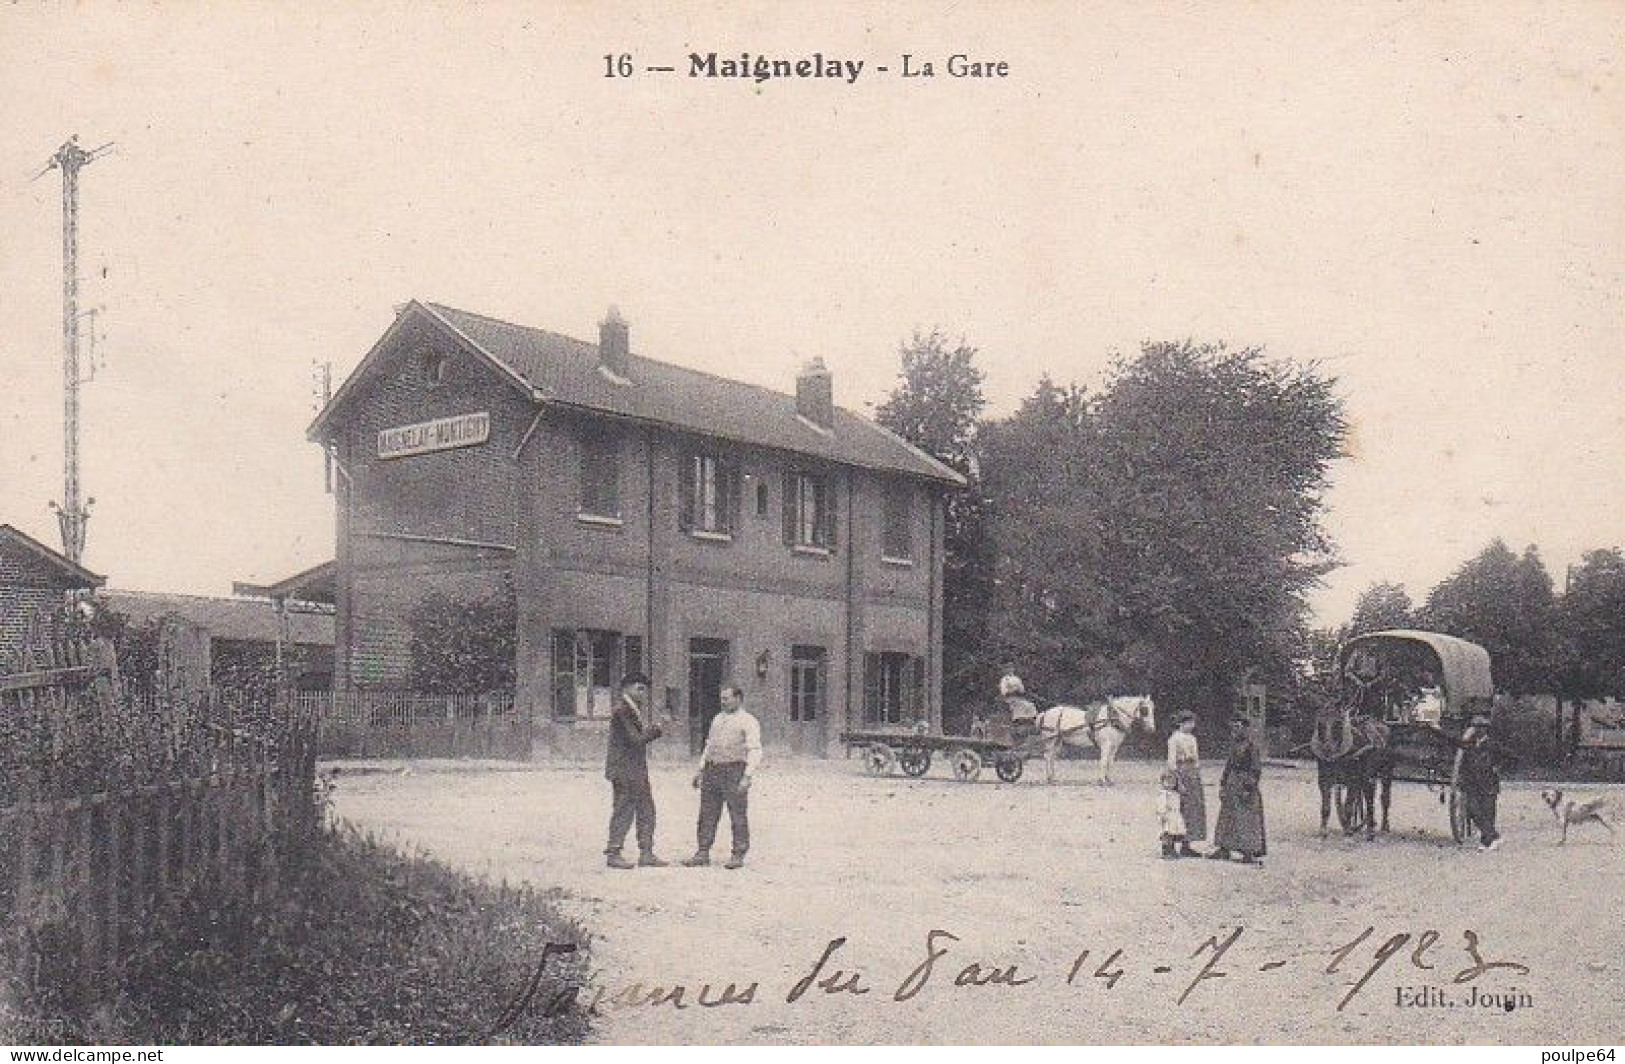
{"points": [[33, 580], [638, 580]]}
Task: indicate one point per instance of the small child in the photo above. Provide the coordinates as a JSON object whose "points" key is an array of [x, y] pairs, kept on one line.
{"points": [[1173, 823]]}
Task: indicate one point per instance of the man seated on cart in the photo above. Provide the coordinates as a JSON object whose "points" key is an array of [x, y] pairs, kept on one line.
{"points": [[1023, 711], [1429, 705]]}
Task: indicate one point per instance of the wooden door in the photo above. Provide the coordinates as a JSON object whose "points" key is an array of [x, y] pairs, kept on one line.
{"points": [[707, 667]]}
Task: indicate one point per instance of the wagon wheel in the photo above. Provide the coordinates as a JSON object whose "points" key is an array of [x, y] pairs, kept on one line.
{"points": [[967, 765], [879, 759], [1457, 804], [914, 760], [1008, 767]]}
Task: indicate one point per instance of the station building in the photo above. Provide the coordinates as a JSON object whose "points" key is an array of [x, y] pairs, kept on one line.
{"points": [[638, 515]]}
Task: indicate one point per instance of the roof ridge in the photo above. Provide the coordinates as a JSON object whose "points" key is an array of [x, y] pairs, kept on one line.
{"points": [[510, 324], [245, 600], [52, 556], [642, 358], [518, 365]]}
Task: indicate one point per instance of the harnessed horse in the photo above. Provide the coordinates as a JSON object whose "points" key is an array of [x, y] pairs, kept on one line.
{"points": [[1352, 752], [1103, 725]]}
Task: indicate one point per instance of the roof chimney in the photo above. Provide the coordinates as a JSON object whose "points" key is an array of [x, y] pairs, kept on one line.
{"points": [[615, 344], [815, 394]]}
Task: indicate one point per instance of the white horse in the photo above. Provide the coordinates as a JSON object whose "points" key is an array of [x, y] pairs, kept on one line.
{"points": [[1100, 724]]}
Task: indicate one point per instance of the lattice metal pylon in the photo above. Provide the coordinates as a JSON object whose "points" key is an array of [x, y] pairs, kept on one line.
{"points": [[73, 513]]}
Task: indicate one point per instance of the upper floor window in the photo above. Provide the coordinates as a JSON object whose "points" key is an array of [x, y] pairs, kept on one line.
{"points": [[897, 525], [809, 511], [435, 368], [710, 495], [600, 475]]}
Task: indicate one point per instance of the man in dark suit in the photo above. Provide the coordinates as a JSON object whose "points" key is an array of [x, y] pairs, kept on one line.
{"points": [[626, 766]]}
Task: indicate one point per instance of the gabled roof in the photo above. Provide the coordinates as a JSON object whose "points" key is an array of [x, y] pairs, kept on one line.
{"points": [[63, 572], [248, 620], [315, 584], [551, 368]]}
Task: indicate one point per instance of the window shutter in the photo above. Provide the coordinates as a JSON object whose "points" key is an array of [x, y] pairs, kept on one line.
{"points": [[790, 508], [897, 533], [733, 483], [831, 523], [564, 674], [917, 702], [612, 475], [588, 496], [631, 655], [871, 687], [685, 492], [820, 697]]}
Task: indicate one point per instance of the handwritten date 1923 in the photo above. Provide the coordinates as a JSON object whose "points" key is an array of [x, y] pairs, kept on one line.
{"points": [[831, 977]]}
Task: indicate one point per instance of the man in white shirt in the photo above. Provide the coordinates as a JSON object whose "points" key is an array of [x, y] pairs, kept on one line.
{"points": [[1010, 684], [733, 749]]}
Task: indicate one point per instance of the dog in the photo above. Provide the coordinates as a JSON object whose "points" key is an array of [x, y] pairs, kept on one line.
{"points": [[1569, 811]]}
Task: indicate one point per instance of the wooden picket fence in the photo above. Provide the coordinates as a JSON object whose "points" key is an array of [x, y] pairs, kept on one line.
{"points": [[112, 808], [369, 724]]}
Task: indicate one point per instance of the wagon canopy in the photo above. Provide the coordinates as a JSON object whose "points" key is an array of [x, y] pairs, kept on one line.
{"points": [[1464, 667]]}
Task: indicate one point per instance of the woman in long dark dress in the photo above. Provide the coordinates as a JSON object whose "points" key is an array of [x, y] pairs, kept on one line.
{"points": [[1240, 826]]}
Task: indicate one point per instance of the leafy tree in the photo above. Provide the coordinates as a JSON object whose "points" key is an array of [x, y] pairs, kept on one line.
{"points": [[1210, 472], [938, 399], [936, 405], [1053, 614], [463, 645], [1506, 604], [1381, 606], [1591, 619]]}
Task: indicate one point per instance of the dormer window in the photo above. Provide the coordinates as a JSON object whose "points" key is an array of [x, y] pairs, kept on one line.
{"points": [[435, 368]]}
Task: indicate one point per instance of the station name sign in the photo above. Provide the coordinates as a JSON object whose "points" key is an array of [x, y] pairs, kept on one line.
{"points": [[441, 434]]}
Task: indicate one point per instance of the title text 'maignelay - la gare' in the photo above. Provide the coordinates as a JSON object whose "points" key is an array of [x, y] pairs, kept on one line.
{"points": [[757, 67]]}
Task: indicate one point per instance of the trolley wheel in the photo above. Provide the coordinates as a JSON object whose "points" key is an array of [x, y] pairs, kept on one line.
{"points": [[879, 759], [1457, 804], [967, 765], [914, 760], [1008, 767]]}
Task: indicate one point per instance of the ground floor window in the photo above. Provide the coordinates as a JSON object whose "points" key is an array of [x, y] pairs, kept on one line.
{"points": [[588, 663], [806, 682], [893, 688]]}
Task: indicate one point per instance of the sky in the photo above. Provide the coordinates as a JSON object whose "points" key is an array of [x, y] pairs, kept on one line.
{"points": [[1426, 200]]}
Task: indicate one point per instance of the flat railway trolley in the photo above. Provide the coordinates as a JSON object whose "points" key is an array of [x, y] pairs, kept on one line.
{"points": [[913, 751]]}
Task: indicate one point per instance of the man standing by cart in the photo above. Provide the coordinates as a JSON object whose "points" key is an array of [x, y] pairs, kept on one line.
{"points": [[1481, 779]]}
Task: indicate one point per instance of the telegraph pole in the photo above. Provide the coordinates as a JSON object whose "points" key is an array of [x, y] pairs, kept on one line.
{"points": [[72, 514]]}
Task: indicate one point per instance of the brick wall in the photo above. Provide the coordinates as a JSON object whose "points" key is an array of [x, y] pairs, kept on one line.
{"points": [[27, 587], [466, 493], [753, 590], [416, 525]]}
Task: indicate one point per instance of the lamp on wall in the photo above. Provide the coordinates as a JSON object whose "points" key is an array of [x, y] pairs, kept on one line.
{"points": [[762, 661]]}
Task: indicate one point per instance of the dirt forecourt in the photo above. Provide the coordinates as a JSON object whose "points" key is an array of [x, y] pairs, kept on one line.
{"points": [[1026, 877]]}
